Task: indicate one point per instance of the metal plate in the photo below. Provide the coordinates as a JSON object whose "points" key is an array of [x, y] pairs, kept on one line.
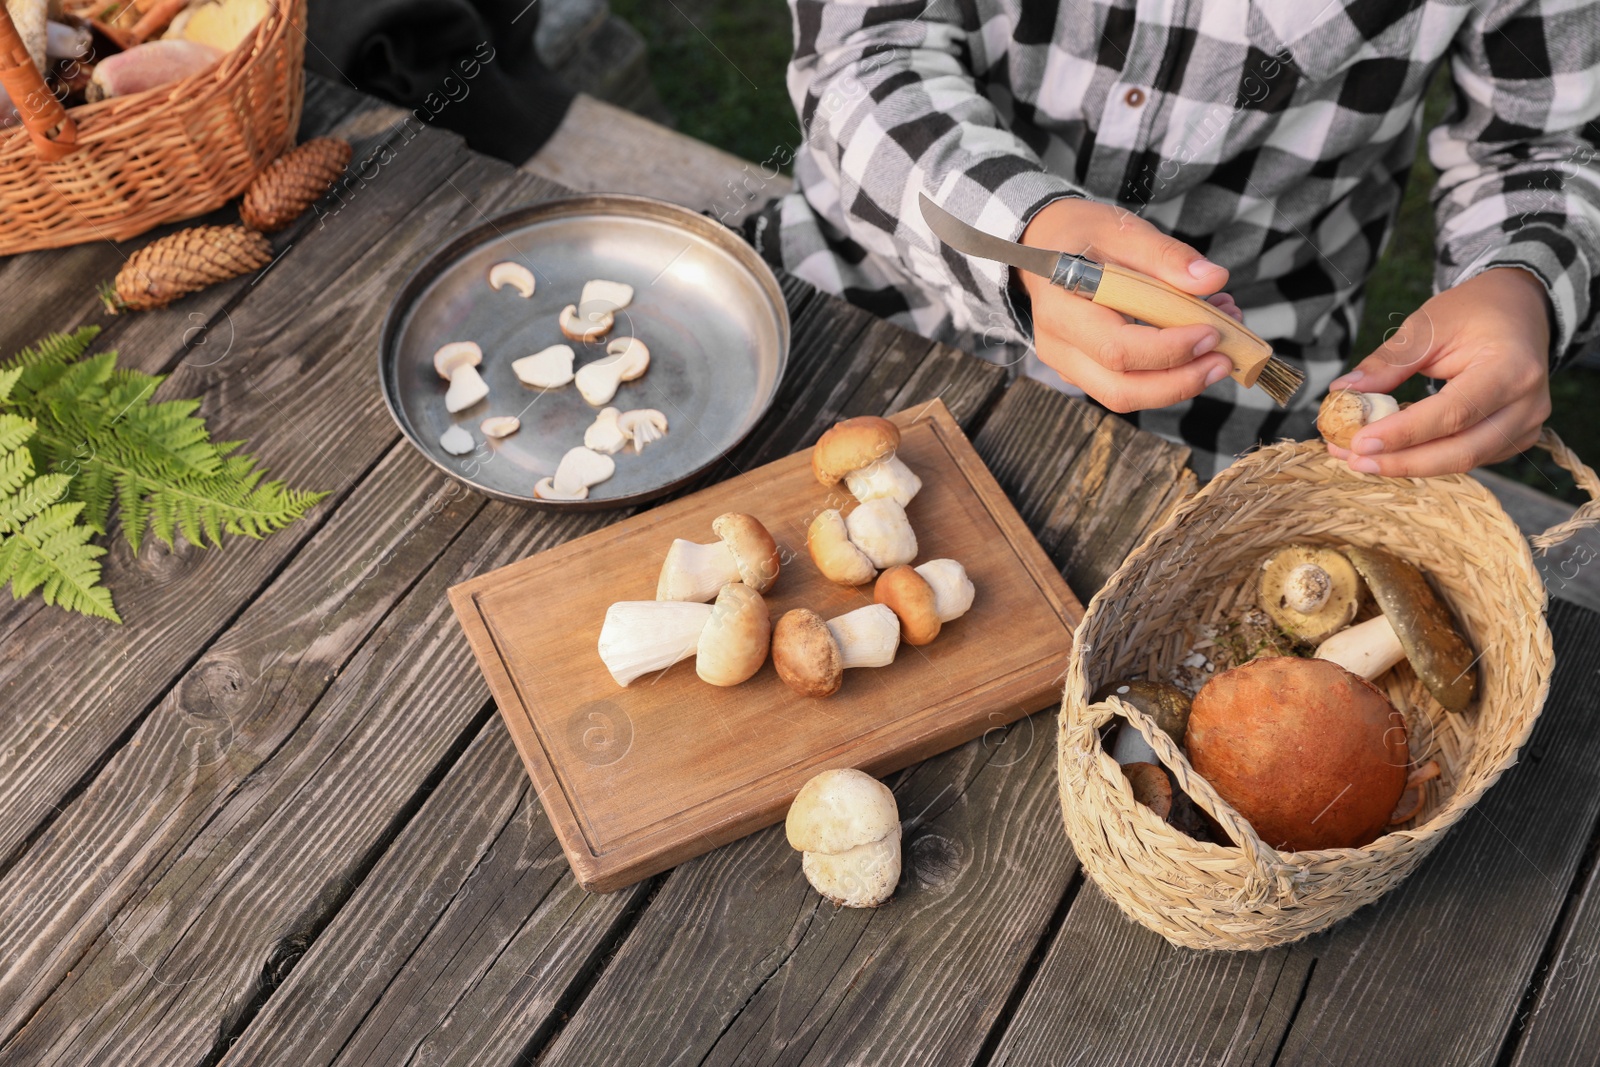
{"points": [[708, 308]]}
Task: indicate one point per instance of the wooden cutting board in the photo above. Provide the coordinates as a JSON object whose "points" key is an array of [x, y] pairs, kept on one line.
{"points": [[637, 780]]}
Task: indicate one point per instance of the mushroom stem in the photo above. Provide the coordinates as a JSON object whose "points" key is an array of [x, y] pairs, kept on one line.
{"points": [[467, 387], [1131, 747], [887, 479], [1367, 649], [952, 589], [867, 637], [1306, 588], [696, 572], [640, 636]]}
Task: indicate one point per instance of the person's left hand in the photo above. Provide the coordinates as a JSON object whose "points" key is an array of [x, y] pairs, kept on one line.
{"points": [[1489, 339]]}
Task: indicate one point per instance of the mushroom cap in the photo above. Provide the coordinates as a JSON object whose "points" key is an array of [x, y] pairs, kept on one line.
{"points": [[852, 444], [836, 556], [805, 654], [1294, 572], [733, 645], [1346, 411], [880, 529], [1151, 786], [456, 354], [1166, 704], [1426, 628], [1310, 754], [755, 553], [862, 877], [840, 809], [906, 593]]}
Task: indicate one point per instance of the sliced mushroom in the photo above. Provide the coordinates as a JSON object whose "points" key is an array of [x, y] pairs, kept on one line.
{"points": [[846, 826], [456, 441], [577, 329], [925, 598], [604, 434], [861, 452], [626, 359], [583, 468], [643, 426], [545, 489], [811, 655], [500, 425], [1309, 590], [1346, 411], [550, 368], [601, 299], [744, 551], [457, 363], [1415, 625], [515, 275]]}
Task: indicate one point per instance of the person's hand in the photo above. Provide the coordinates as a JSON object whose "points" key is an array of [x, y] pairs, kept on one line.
{"points": [[1489, 339], [1123, 365]]}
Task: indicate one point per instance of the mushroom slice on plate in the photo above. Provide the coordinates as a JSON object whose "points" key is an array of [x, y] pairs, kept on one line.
{"points": [[626, 359], [642, 426], [545, 489], [457, 363], [582, 468], [500, 425], [601, 299], [549, 368], [578, 329], [515, 275], [603, 434], [456, 441]]}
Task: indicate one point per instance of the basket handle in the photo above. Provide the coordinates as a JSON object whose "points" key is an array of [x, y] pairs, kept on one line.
{"points": [[54, 134], [1588, 514]]}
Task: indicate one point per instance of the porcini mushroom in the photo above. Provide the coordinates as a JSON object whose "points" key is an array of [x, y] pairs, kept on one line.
{"points": [[811, 655], [580, 329], [626, 359], [579, 469], [733, 645], [456, 441], [861, 452], [881, 530], [601, 299], [515, 275], [1415, 625], [743, 552], [641, 636], [1310, 591], [500, 425], [1151, 786], [1346, 411], [457, 363], [604, 434], [846, 826], [925, 597], [642, 427], [1166, 704], [828, 540], [548, 368]]}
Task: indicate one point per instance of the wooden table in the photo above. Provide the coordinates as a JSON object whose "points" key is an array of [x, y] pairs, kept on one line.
{"points": [[274, 818]]}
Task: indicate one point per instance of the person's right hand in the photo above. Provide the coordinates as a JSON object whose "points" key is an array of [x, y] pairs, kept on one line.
{"points": [[1124, 365]]}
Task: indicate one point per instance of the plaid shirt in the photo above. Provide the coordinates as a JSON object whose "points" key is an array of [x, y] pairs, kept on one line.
{"points": [[1274, 137]]}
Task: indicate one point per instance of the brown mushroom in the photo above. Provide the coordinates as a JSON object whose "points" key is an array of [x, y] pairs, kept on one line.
{"points": [[1415, 625], [811, 655], [925, 597], [743, 552], [1346, 411], [1166, 704], [1411, 800], [1151, 786], [836, 556], [1310, 591], [733, 643], [861, 453]]}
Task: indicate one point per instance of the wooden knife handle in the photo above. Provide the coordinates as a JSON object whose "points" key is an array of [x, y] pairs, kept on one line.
{"points": [[1159, 304]]}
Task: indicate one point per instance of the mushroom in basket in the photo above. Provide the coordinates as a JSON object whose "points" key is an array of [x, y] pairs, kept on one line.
{"points": [[861, 452], [846, 826], [728, 639], [744, 551], [1168, 706]]}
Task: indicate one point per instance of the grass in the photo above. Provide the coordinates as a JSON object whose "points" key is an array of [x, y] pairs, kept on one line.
{"points": [[719, 66]]}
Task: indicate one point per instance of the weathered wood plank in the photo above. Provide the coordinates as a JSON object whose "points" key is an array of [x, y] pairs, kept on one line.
{"points": [[1431, 973], [1030, 440], [292, 378], [968, 386]]}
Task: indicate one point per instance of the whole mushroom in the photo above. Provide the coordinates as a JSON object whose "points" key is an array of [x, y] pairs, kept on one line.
{"points": [[925, 597], [743, 552], [846, 825], [728, 639], [457, 363], [851, 549], [861, 452], [1310, 591], [1415, 625], [811, 655], [1346, 411]]}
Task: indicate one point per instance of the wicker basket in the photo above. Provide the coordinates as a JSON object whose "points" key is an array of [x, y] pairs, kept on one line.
{"points": [[113, 169], [1194, 572]]}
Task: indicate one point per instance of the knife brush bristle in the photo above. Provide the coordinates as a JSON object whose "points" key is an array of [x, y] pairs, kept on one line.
{"points": [[1281, 380]]}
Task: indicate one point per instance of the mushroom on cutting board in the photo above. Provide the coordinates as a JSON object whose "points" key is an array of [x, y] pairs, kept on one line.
{"points": [[548, 368], [734, 643], [1415, 625], [457, 363], [851, 549], [1346, 411], [811, 655], [626, 359], [925, 597], [729, 638], [861, 452], [743, 552], [846, 826], [1310, 591]]}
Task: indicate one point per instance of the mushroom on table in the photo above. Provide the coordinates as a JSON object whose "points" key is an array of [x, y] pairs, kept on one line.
{"points": [[743, 552], [861, 453], [811, 654], [846, 826]]}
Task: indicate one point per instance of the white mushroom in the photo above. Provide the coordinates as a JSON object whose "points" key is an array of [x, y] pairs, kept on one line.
{"points": [[743, 552], [604, 435], [883, 533], [515, 275], [626, 359], [579, 469], [642, 426], [577, 329], [846, 826], [861, 452], [640, 636], [67, 42], [601, 299], [868, 637], [457, 363], [456, 441], [549, 368], [1346, 411], [500, 425]]}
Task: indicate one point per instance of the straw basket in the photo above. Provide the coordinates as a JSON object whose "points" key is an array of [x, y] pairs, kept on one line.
{"points": [[113, 169], [1197, 570]]}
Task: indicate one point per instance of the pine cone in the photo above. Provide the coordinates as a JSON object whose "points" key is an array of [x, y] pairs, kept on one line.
{"points": [[293, 182], [184, 262]]}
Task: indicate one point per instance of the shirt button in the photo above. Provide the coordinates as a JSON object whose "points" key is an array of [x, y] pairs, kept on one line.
{"points": [[1134, 97]]}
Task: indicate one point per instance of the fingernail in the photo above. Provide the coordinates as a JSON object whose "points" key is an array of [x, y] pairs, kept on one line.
{"points": [[1207, 343], [1367, 446], [1346, 381], [1216, 374], [1201, 267], [1364, 465]]}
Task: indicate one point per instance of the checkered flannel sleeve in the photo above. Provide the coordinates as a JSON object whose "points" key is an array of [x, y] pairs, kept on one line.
{"points": [[890, 110], [1519, 178]]}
